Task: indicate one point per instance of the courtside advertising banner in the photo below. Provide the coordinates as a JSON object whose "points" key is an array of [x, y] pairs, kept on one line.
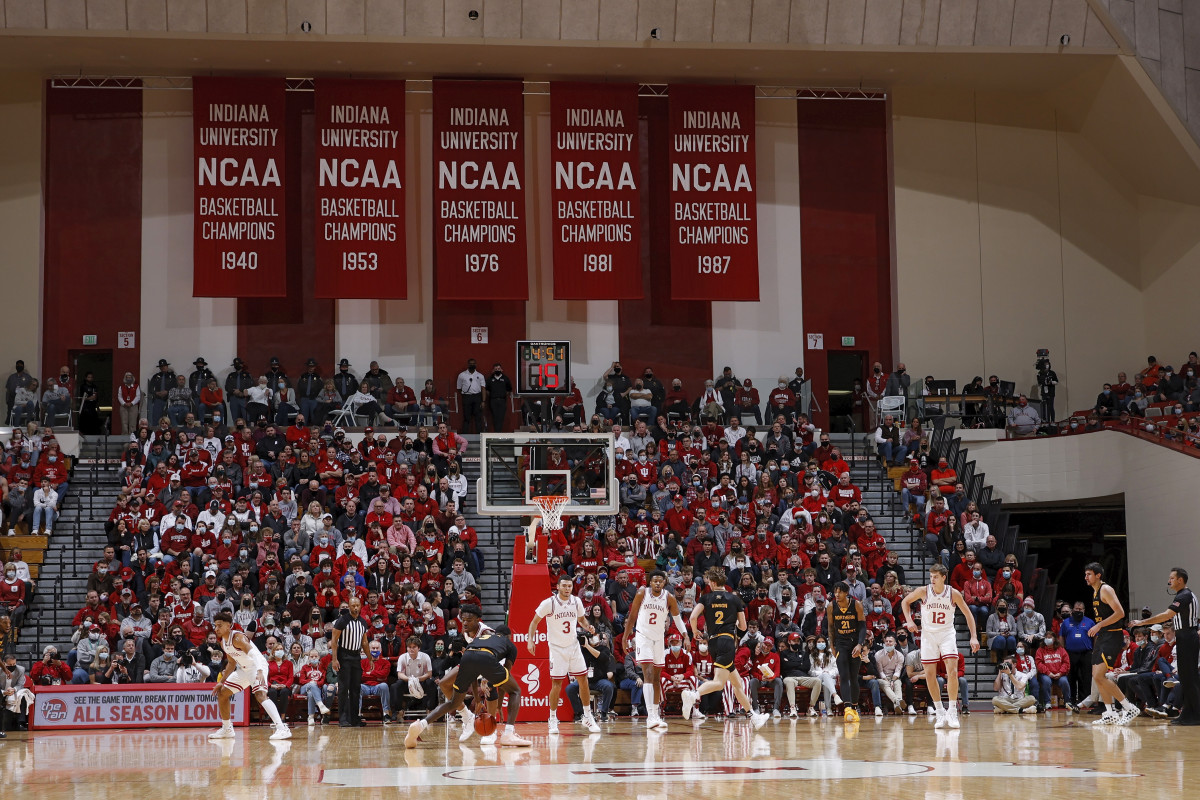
{"points": [[714, 230], [360, 245], [596, 209], [239, 243], [132, 705], [479, 190]]}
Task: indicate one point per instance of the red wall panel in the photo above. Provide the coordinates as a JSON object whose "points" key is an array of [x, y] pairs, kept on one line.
{"points": [[299, 326], [845, 232], [93, 195], [672, 336]]}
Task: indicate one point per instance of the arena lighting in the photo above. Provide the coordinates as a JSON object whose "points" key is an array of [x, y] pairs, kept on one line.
{"points": [[655, 33], [306, 27], [472, 15], [1065, 39]]}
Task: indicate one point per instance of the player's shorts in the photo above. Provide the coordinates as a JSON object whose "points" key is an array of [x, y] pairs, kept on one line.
{"points": [[649, 651], [936, 646], [477, 664], [1107, 648], [722, 648], [566, 661], [247, 678]]}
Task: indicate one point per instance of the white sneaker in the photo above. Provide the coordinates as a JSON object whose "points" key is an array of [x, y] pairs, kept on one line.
{"points": [[689, 702], [1029, 710], [837, 699], [1107, 718], [952, 719], [324, 709], [511, 739], [223, 732], [812, 711], [659, 724], [590, 723], [414, 733], [878, 711], [552, 725], [912, 712], [490, 739], [311, 720], [775, 713], [633, 713], [468, 721], [697, 717], [939, 720], [282, 732], [1128, 715], [758, 719]]}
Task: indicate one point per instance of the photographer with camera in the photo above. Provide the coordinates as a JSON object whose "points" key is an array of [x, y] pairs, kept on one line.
{"points": [[1011, 697], [51, 670], [1047, 379], [190, 670]]}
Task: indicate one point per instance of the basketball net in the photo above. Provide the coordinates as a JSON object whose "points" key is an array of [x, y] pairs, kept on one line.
{"points": [[551, 507]]}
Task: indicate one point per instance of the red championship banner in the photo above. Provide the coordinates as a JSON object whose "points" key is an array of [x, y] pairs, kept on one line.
{"points": [[479, 190], [360, 247], [594, 162], [714, 228], [239, 244]]}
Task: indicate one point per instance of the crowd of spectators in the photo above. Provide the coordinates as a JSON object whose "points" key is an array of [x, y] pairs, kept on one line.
{"points": [[281, 523]]}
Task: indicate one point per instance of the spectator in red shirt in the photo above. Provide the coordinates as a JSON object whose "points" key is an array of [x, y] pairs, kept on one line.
{"points": [[51, 670], [845, 493], [375, 670], [766, 672], [977, 591], [963, 571], [913, 485], [944, 477], [781, 400], [401, 402], [1053, 665], [746, 401]]}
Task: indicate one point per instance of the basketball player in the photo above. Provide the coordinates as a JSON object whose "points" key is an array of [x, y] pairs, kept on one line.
{"points": [[724, 616], [473, 626], [653, 608], [1108, 643], [938, 639], [483, 658], [245, 668], [847, 630], [564, 613]]}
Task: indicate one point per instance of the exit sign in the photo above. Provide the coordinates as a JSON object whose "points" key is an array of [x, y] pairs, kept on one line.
{"points": [[847, 341], [89, 339]]}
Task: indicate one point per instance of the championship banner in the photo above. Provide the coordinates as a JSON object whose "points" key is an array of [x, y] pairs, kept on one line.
{"points": [[597, 213], [479, 190], [360, 242], [132, 705], [714, 228], [239, 245]]}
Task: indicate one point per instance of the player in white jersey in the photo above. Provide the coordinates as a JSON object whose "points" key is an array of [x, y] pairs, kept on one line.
{"points": [[245, 668], [938, 644], [652, 610], [564, 614]]}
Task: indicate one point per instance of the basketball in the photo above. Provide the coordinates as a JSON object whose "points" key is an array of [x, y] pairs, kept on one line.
{"points": [[485, 724]]}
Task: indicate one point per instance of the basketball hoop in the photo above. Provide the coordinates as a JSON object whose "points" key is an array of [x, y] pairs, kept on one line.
{"points": [[551, 506]]}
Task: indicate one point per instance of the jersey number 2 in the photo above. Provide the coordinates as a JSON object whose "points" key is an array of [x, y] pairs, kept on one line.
{"points": [[653, 618], [718, 617]]}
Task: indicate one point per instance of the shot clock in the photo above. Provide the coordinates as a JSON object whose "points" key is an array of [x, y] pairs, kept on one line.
{"points": [[543, 368]]}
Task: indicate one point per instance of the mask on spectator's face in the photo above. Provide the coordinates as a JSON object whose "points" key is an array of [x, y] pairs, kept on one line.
{"points": [[1048, 641]]}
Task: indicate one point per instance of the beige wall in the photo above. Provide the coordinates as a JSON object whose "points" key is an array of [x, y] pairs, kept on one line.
{"points": [[20, 220], [1160, 529], [1012, 234]]}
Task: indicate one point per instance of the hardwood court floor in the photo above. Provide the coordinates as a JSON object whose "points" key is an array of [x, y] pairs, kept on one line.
{"points": [[990, 757]]}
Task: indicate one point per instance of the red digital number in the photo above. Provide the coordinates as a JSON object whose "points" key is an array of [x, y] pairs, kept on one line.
{"points": [[548, 376]]}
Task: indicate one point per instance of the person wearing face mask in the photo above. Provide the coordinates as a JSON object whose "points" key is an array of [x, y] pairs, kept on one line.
{"points": [[897, 383], [1023, 418], [1078, 644], [162, 669], [1031, 626], [1001, 631], [1010, 695], [470, 384], [1053, 664], [977, 591]]}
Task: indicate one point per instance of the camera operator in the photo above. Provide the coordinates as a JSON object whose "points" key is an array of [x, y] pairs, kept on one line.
{"points": [[190, 670], [117, 671], [1047, 379], [1010, 691], [601, 675], [51, 670]]}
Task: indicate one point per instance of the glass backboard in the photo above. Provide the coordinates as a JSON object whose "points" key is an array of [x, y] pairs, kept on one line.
{"points": [[516, 467]]}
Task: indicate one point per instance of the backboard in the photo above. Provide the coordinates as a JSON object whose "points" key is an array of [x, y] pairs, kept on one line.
{"points": [[516, 467]]}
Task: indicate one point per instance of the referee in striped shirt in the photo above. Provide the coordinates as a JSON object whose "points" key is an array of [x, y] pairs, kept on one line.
{"points": [[1184, 614], [348, 645]]}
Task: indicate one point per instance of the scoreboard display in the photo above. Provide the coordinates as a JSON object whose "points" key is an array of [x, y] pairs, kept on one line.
{"points": [[543, 368]]}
